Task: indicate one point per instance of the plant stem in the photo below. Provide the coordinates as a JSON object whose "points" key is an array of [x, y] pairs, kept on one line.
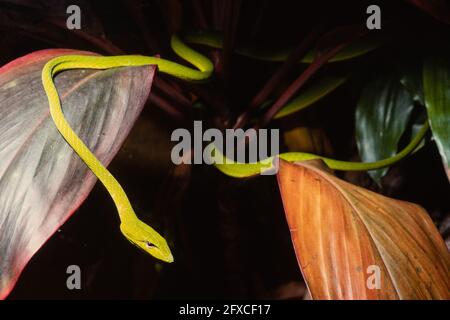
{"points": [[276, 78], [165, 106], [299, 82]]}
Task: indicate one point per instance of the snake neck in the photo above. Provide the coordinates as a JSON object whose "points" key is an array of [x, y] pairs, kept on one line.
{"points": [[126, 213]]}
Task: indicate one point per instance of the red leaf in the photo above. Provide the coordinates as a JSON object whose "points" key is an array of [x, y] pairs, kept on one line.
{"points": [[42, 180]]}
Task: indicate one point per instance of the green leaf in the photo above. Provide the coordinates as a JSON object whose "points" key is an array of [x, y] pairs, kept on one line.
{"points": [[412, 81], [310, 95], [353, 50], [415, 127], [436, 82], [382, 115]]}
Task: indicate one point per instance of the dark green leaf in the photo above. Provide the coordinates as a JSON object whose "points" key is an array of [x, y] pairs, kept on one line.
{"points": [[382, 115], [310, 95], [412, 80], [436, 82], [415, 128]]}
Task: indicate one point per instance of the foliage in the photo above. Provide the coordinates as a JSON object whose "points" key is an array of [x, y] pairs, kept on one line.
{"points": [[334, 88]]}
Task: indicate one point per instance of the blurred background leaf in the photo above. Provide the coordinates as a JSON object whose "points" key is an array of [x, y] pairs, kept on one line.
{"points": [[436, 79], [310, 95]]}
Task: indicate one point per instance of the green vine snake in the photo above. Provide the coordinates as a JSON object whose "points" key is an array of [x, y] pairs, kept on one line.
{"points": [[136, 231]]}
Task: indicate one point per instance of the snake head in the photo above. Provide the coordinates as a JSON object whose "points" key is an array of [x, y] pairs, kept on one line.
{"points": [[146, 238]]}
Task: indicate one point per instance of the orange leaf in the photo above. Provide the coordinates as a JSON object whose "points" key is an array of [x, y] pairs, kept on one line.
{"points": [[346, 236]]}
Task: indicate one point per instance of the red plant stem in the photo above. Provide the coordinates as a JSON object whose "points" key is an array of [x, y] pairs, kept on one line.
{"points": [[173, 15], [136, 7], [298, 83], [217, 14], [232, 10], [172, 92], [217, 11], [212, 100], [169, 90], [165, 106], [311, 70], [101, 43], [199, 14], [277, 77]]}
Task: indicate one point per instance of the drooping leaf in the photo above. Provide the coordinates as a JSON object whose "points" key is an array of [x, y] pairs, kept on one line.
{"points": [[382, 115], [42, 180], [310, 95], [436, 83], [346, 237]]}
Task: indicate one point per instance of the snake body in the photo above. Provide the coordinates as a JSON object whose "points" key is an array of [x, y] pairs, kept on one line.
{"points": [[136, 231], [244, 170]]}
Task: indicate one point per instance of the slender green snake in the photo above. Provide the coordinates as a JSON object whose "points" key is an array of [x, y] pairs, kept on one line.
{"points": [[243, 170], [136, 231]]}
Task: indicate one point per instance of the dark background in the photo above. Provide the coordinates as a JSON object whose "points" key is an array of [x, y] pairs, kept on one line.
{"points": [[229, 237]]}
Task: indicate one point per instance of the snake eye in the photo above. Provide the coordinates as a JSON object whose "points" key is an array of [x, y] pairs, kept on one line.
{"points": [[149, 244]]}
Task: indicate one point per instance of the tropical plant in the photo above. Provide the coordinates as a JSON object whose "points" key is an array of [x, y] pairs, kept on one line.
{"points": [[378, 100]]}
